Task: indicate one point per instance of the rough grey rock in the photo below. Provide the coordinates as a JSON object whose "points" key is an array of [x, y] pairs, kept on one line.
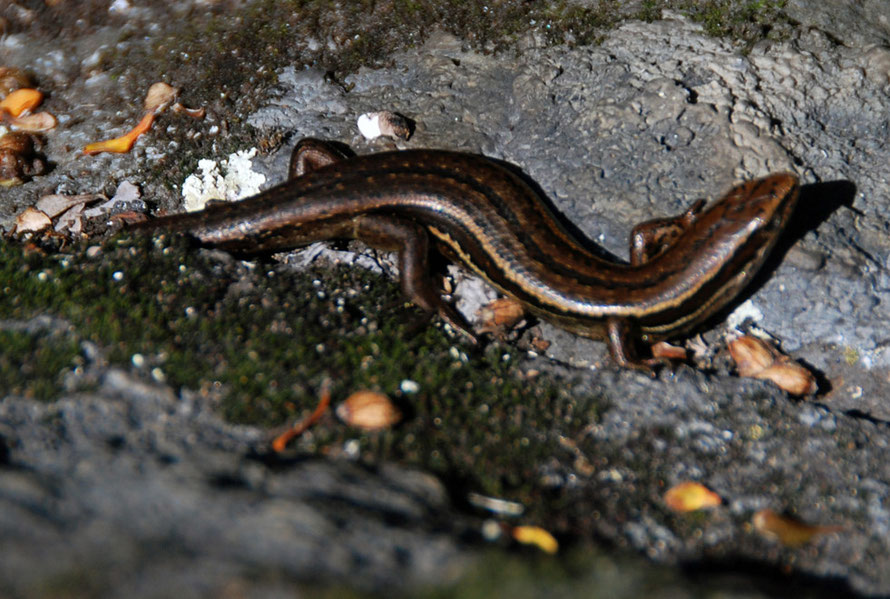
{"points": [[654, 118], [658, 116], [852, 22], [100, 479]]}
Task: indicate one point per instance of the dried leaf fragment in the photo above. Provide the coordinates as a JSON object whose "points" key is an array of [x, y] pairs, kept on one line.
{"points": [[757, 359], [71, 221], [195, 113], [369, 410], [32, 220], [539, 344], [503, 312], [665, 351], [66, 212], [691, 496], [790, 376], [160, 96], [40, 121], [751, 355], [55, 204], [787, 530], [537, 536]]}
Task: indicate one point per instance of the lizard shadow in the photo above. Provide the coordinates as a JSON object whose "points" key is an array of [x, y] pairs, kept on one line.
{"points": [[817, 202]]}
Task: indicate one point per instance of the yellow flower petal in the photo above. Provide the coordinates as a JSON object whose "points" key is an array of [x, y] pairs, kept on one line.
{"points": [[690, 496], [535, 535]]}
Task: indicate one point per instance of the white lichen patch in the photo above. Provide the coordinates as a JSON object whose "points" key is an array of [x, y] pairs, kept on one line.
{"points": [[471, 293], [229, 180], [747, 310]]}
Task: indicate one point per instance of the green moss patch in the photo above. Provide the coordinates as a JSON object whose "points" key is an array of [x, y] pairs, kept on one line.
{"points": [[262, 338], [35, 364], [748, 21]]}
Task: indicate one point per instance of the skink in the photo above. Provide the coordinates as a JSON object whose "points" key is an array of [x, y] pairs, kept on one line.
{"points": [[485, 215]]}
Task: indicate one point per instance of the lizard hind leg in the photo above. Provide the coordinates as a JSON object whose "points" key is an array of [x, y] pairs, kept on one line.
{"points": [[312, 154], [412, 242]]}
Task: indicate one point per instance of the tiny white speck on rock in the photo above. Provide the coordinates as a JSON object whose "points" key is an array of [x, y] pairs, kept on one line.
{"points": [[409, 386], [369, 125]]}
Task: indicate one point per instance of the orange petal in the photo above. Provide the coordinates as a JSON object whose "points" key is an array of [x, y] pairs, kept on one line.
{"points": [[535, 535], [21, 100], [690, 496], [124, 143], [788, 531]]}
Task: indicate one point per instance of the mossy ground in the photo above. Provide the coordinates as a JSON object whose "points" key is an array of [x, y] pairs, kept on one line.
{"points": [[262, 338], [35, 364]]}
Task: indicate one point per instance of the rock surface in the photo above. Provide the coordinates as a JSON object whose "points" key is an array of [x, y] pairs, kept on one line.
{"points": [[94, 485], [655, 117]]}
